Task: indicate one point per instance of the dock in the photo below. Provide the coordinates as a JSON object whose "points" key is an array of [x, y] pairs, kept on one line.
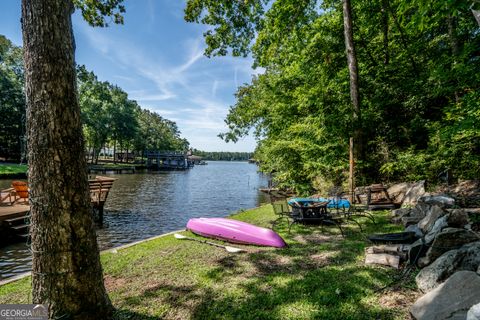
{"points": [[14, 221], [167, 160], [103, 169], [14, 218]]}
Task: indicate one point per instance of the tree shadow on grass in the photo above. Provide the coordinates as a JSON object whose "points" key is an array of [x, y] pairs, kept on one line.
{"points": [[325, 293], [319, 277]]}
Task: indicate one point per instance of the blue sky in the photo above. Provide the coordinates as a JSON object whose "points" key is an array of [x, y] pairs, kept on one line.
{"points": [[158, 59]]}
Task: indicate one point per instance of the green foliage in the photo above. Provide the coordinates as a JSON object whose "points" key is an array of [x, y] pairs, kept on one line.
{"points": [[96, 11], [419, 85], [109, 117], [12, 101], [223, 155], [455, 142], [409, 165], [157, 133], [235, 23]]}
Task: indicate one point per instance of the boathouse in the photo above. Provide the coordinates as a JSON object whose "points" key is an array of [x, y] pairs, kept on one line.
{"points": [[167, 160]]}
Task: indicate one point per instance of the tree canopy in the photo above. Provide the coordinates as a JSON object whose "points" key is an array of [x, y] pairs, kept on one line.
{"points": [[12, 101], [418, 77], [109, 117]]}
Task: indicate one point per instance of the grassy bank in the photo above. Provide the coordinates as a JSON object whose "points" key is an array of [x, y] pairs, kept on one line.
{"points": [[13, 171], [319, 276]]}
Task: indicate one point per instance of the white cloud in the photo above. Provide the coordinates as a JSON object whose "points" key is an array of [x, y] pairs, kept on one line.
{"points": [[214, 88], [189, 91]]}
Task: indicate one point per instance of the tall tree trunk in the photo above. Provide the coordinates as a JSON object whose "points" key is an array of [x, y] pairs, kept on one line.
{"points": [[66, 270], [115, 151], [353, 71]]}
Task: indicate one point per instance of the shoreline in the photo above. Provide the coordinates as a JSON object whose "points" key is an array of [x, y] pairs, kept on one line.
{"points": [[320, 275], [114, 249], [110, 250]]}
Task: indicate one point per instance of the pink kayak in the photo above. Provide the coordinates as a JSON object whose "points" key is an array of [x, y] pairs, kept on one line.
{"points": [[235, 231]]}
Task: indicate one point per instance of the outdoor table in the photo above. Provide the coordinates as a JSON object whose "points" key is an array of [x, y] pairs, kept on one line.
{"points": [[315, 212]]}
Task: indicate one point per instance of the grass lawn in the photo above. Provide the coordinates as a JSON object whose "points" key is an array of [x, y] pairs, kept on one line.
{"points": [[13, 168], [319, 276]]}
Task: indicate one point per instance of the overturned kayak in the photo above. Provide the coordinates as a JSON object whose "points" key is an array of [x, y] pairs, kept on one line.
{"points": [[235, 231]]}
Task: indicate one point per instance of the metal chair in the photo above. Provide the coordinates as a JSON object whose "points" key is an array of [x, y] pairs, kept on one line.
{"points": [[281, 210]]}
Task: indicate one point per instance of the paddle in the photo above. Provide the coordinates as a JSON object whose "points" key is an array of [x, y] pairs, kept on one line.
{"points": [[228, 248]]}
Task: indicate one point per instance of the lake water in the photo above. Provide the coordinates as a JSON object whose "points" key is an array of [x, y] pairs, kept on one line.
{"points": [[144, 205]]}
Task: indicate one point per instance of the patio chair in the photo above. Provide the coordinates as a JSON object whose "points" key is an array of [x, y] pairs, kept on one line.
{"points": [[21, 190], [281, 210]]}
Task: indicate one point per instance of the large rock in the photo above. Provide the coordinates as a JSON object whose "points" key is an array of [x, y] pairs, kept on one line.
{"points": [[465, 258], [398, 191], [448, 239], [450, 300], [416, 191], [457, 218], [426, 224], [474, 312], [401, 212], [436, 229], [416, 214], [443, 201], [398, 214], [409, 220], [416, 229], [421, 210]]}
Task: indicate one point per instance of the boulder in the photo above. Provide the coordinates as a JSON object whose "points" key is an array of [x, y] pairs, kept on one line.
{"points": [[474, 312], [465, 258], [446, 240], [414, 193], [421, 210], [398, 214], [401, 212], [442, 201], [436, 228], [450, 300], [416, 214], [457, 218], [398, 191], [431, 276], [426, 224], [413, 220], [416, 229]]}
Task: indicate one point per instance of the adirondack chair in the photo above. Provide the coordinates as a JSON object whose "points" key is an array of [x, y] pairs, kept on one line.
{"points": [[21, 190]]}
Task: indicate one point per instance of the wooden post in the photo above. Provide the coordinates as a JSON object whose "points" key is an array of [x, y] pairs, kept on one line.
{"points": [[351, 178]]}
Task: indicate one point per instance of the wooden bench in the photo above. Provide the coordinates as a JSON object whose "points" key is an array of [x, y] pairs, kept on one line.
{"points": [[99, 189]]}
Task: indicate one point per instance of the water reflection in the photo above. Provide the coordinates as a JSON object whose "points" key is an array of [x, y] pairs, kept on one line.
{"points": [[147, 204]]}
